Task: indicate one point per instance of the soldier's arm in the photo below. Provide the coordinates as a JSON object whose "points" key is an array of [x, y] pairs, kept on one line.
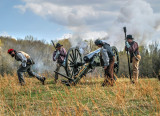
{"points": [[23, 59], [54, 54], [105, 56]]}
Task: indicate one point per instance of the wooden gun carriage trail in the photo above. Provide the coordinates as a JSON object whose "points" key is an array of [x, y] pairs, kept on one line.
{"points": [[76, 67]]}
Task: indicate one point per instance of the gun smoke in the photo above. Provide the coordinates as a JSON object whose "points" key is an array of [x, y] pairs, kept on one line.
{"points": [[137, 15], [140, 20]]}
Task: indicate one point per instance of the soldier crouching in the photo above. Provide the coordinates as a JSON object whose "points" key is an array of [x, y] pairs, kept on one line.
{"points": [[108, 59], [26, 65]]}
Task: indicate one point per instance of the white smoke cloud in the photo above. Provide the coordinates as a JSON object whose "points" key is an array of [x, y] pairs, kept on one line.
{"points": [[141, 22], [92, 19], [78, 39], [75, 14]]}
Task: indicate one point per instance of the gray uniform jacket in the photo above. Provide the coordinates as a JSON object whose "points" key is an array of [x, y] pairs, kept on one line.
{"points": [[107, 53], [20, 57], [105, 56]]}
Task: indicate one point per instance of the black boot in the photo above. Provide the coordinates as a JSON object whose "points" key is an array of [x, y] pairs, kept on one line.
{"points": [[43, 80], [105, 82]]}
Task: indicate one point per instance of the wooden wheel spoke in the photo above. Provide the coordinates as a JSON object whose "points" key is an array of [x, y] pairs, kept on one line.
{"points": [[72, 72], [71, 61], [71, 57], [71, 65], [75, 55], [78, 57]]}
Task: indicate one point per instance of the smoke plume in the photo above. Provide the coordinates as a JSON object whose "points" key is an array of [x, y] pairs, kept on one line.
{"points": [[137, 16], [141, 22]]}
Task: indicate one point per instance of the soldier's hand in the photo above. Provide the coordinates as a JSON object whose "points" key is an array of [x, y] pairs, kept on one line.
{"points": [[20, 66], [105, 67], [127, 45], [58, 52]]}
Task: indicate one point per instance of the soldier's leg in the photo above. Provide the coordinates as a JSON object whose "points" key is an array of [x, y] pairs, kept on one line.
{"points": [[57, 69], [20, 72], [135, 69], [33, 74], [139, 57], [110, 75], [106, 74], [111, 71], [111, 79]]}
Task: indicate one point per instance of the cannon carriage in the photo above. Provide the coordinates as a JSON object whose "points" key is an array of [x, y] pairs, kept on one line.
{"points": [[77, 67]]}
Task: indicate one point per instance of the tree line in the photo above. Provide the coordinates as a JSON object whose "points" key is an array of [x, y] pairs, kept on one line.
{"points": [[41, 52]]}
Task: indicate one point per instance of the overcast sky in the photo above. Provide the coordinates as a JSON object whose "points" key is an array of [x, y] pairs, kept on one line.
{"points": [[52, 19]]}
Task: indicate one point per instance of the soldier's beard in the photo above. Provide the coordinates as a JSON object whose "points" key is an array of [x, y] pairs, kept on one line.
{"points": [[12, 55]]}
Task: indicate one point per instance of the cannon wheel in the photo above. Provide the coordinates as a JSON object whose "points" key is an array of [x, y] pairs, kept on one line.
{"points": [[73, 59], [116, 64]]}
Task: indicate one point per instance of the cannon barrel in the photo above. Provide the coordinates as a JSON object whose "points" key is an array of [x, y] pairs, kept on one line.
{"points": [[89, 56]]}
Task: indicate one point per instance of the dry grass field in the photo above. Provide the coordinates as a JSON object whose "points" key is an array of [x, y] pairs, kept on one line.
{"points": [[86, 98]]}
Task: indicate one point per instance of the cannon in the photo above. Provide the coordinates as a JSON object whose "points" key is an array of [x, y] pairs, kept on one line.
{"points": [[76, 67]]}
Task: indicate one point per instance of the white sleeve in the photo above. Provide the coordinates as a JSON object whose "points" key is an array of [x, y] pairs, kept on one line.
{"points": [[23, 59], [57, 55], [105, 56]]}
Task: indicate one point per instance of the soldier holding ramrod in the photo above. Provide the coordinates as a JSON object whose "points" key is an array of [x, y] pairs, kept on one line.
{"points": [[135, 57], [59, 55]]}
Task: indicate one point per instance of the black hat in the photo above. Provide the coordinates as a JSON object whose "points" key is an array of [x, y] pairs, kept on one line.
{"points": [[130, 37], [98, 42], [58, 45]]}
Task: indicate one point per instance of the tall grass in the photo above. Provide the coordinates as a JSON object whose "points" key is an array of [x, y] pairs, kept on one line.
{"points": [[86, 98]]}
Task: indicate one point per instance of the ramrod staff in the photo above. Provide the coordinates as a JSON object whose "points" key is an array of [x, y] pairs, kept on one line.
{"points": [[129, 68]]}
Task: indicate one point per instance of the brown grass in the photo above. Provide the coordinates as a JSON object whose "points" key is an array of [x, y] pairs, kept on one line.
{"points": [[86, 98]]}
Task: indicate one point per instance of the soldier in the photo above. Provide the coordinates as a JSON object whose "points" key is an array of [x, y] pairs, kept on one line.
{"points": [[108, 59], [26, 65], [59, 55], [135, 57]]}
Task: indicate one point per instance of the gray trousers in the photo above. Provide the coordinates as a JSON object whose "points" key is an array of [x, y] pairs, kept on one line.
{"points": [[21, 70]]}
